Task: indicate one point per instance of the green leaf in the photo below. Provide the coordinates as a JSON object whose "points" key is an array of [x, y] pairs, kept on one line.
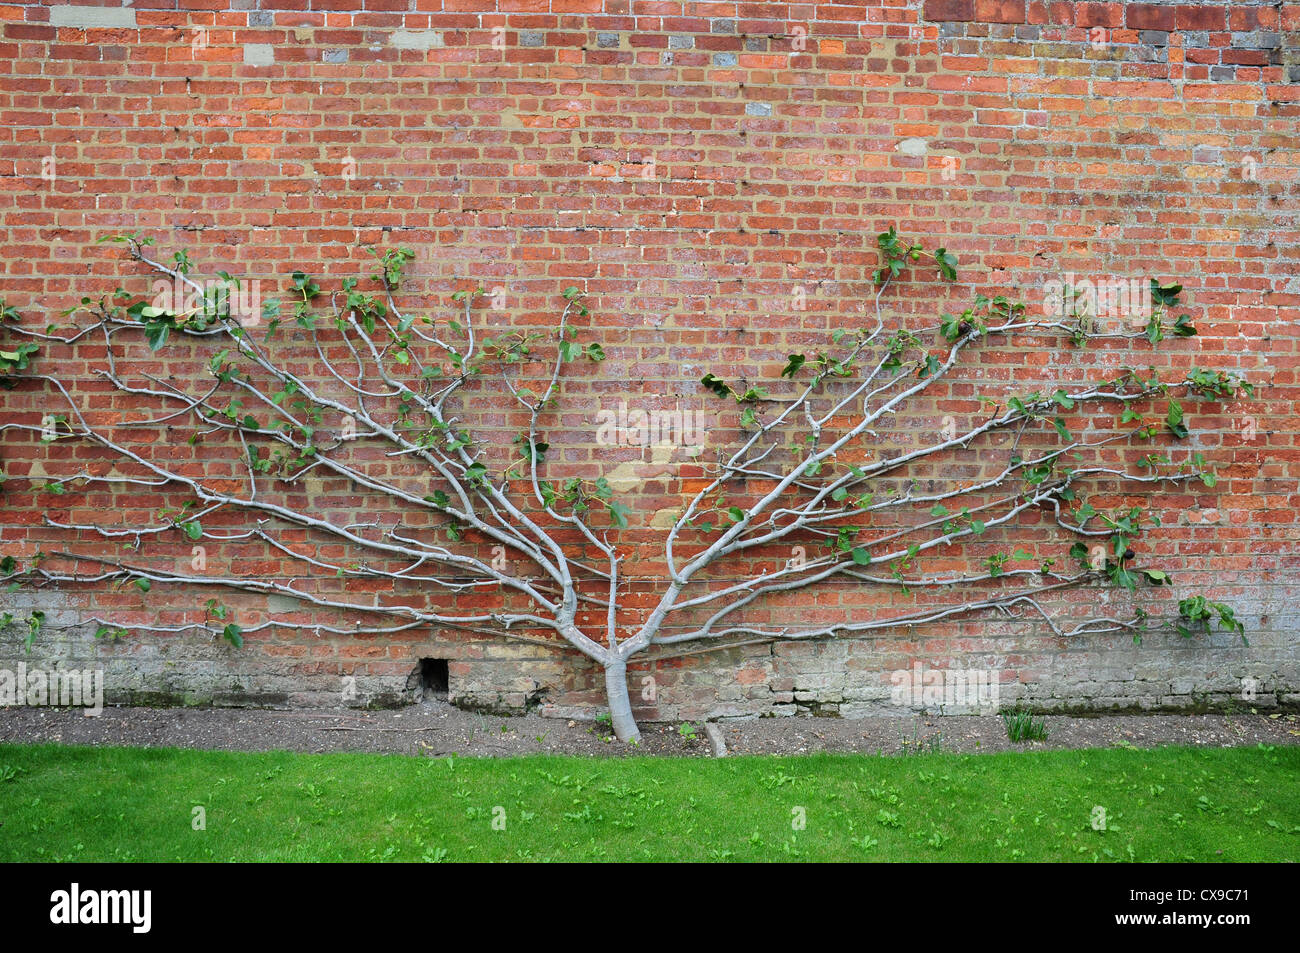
{"points": [[1155, 334], [947, 263], [1165, 294], [234, 635], [1174, 420], [716, 384], [860, 556], [949, 326], [156, 333], [618, 513]]}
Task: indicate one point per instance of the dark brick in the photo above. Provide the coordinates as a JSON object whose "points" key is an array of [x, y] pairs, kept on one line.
{"points": [[1256, 41], [1148, 16], [939, 11], [1246, 57], [1202, 18]]}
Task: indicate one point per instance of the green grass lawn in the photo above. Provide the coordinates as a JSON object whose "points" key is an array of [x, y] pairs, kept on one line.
{"points": [[1170, 804]]}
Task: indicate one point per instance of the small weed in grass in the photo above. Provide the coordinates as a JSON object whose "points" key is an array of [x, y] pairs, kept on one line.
{"points": [[1023, 726]]}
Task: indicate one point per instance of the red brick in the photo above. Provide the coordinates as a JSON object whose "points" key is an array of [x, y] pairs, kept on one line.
{"points": [[1202, 17], [939, 11], [1099, 14], [1000, 11], [1149, 16]]}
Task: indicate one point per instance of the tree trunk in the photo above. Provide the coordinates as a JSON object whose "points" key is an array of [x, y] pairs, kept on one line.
{"points": [[620, 706]]}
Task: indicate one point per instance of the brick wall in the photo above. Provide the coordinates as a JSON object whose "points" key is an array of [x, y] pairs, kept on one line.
{"points": [[698, 168]]}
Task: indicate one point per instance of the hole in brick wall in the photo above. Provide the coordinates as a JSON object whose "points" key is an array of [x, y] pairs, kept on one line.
{"points": [[433, 677]]}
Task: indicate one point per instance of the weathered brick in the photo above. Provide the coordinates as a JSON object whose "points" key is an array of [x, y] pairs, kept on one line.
{"points": [[946, 10], [1202, 17], [1150, 16]]}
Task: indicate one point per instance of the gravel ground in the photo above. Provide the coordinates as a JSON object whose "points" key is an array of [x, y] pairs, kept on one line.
{"points": [[435, 728]]}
